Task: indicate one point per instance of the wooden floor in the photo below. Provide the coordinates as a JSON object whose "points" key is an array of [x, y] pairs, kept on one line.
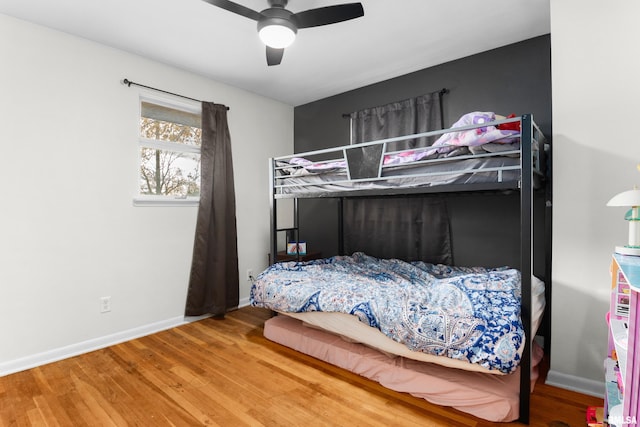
{"points": [[225, 373]]}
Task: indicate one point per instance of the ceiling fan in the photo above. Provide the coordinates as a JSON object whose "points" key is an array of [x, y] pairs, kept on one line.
{"points": [[277, 26]]}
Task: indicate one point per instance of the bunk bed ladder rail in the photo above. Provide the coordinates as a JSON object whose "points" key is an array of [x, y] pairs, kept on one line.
{"points": [[273, 206]]}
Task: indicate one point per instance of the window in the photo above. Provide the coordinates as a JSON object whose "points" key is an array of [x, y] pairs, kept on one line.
{"points": [[169, 152]]}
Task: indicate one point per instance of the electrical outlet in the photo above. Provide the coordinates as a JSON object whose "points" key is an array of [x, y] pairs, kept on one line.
{"points": [[249, 275], [105, 304]]}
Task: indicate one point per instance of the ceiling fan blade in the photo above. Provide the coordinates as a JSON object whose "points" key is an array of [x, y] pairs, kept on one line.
{"points": [[329, 15], [236, 8], [274, 56]]}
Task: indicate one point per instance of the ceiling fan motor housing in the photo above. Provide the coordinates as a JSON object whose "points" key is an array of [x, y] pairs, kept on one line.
{"points": [[278, 16], [278, 3]]}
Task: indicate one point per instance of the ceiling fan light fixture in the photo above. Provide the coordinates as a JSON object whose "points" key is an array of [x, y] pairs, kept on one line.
{"points": [[277, 33], [277, 26]]}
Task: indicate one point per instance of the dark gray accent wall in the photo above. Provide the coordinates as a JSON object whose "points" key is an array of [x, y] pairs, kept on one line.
{"points": [[511, 79]]}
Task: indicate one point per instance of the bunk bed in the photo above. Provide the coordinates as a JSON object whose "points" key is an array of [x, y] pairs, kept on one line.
{"points": [[481, 152]]}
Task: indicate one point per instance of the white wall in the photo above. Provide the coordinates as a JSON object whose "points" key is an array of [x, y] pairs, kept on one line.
{"points": [[596, 102], [69, 233]]}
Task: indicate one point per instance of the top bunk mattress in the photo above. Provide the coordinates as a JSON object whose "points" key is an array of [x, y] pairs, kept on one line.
{"points": [[497, 169], [477, 149]]}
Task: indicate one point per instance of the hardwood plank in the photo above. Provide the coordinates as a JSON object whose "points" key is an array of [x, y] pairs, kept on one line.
{"points": [[225, 373]]}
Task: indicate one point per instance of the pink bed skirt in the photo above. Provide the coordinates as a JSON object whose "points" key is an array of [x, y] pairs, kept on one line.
{"points": [[490, 397]]}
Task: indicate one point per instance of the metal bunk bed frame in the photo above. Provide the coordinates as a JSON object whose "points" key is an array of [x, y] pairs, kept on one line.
{"points": [[532, 178]]}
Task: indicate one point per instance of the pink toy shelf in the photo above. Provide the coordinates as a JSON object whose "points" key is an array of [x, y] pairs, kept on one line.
{"points": [[622, 366]]}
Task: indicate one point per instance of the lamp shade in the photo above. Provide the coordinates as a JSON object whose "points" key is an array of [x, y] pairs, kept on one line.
{"points": [[626, 198], [629, 198]]}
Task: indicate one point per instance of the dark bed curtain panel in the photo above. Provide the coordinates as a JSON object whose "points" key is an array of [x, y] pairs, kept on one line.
{"points": [[415, 115], [408, 228], [214, 281], [412, 229]]}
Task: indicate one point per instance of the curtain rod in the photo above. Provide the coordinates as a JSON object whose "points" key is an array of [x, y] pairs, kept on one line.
{"points": [[129, 83], [442, 92]]}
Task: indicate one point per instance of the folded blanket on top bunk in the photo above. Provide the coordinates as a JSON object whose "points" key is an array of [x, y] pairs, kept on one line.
{"points": [[470, 314]]}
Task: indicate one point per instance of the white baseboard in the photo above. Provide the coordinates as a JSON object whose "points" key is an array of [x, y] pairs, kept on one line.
{"points": [[54, 355], [573, 383], [57, 354]]}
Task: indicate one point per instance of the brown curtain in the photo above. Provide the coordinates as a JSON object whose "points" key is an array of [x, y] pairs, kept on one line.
{"points": [[214, 281]]}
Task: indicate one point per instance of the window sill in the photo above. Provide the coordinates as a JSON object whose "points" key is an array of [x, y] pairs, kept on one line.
{"points": [[165, 201]]}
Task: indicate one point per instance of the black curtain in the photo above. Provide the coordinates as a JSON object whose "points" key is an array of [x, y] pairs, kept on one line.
{"points": [[407, 228], [414, 228], [214, 281], [410, 116]]}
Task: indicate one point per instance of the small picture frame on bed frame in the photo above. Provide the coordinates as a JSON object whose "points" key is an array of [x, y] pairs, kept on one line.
{"points": [[299, 248], [292, 248]]}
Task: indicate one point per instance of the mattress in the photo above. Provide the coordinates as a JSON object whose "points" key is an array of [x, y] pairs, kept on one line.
{"points": [[353, 330], [453, 171], [491, 397], [476, 149], [432, 312]]}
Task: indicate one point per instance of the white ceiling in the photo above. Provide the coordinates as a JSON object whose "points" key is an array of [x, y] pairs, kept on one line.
{"points": [[393, 38]]}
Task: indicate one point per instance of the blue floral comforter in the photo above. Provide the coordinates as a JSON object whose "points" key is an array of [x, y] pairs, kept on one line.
{"points": [[466, 313]]}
